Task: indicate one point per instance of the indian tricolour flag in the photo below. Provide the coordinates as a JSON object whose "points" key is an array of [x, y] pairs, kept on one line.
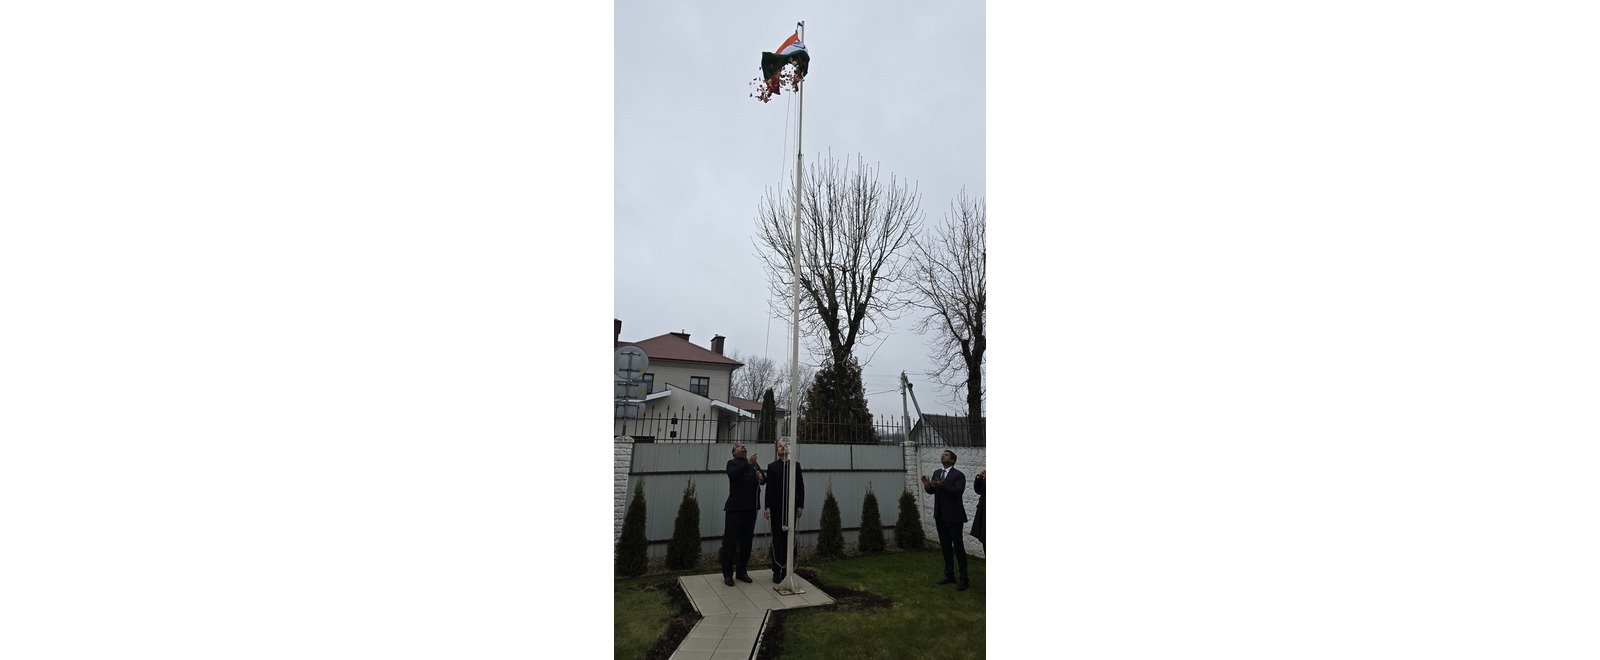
{"points": [[791, 52]]}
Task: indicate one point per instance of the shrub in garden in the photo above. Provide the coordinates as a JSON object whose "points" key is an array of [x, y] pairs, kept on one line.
{"points": [[908, 528], [871, 538], [830, 542], [631, 557], [684, 549]]}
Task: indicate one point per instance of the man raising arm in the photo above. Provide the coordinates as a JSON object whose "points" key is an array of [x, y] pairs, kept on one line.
{"points": [[946, 486], [739, 514]]}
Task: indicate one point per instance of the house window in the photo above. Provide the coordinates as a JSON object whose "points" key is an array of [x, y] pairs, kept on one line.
{"points": [[700, 385], [649, 383]]}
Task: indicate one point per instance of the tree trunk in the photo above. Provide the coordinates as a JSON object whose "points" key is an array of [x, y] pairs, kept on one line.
{"points": [[975, 426]]}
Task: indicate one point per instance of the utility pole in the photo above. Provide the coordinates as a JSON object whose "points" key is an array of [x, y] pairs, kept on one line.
{"points": [[905, 413], [905, 385]]}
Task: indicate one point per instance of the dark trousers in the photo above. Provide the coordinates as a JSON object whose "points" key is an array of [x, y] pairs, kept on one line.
{"points": [[738, 532], [780, 541], [950, 544]]}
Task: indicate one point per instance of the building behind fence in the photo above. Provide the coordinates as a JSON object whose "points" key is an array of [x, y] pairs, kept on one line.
{"points": [[949, 431]]}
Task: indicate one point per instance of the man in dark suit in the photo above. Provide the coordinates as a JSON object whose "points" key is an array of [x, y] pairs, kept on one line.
{"points": [[946, 486], [739, 514], [776, 511]]}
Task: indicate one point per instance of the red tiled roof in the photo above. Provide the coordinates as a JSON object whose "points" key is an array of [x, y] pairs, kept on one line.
{"points": [[752, 406], [669, 347]]}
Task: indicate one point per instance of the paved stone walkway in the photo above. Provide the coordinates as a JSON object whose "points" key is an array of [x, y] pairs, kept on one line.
{"points": [[736, 616]]}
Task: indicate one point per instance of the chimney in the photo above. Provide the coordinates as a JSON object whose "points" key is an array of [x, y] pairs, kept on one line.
{"points": [[716, 344], [619, 328], [681, 335]]}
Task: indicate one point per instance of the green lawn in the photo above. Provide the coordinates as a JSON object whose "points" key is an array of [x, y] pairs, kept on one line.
{"points": [[642, 611], [919, 614], [922, 615], [641, 619]]}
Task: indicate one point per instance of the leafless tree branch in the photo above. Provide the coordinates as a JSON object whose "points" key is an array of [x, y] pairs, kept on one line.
{"points": [[752, 380], [950, 281], [856, 235], [780, 386]]}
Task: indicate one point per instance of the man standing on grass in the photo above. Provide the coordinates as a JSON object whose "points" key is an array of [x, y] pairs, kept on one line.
{"points": [[946, 486], [739, 514], [777, 513]]}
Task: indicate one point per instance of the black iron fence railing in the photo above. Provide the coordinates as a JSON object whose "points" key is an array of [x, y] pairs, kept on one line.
{"points": [[722, 425], [718, 425]]}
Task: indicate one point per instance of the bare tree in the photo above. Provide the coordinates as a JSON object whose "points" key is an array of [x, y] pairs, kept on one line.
{"points": [[856, 238], [753, 379], [780, 387], [951, 284]]}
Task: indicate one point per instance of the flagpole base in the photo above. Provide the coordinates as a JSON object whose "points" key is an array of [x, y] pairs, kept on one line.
{"points": [[784, 591]]}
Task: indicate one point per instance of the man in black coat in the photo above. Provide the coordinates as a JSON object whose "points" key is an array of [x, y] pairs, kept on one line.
{"points": [[946, 486], [776, 513], [739, 514]]}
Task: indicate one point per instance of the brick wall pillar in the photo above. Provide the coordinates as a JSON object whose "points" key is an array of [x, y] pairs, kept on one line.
{"points": [[623, 461]]}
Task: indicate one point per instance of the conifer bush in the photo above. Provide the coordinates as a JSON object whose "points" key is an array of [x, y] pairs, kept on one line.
{"points": [[830, 542], [871, 537], [631, 557], [684, 550], [908, 528], [835, 408], [767, 430]]}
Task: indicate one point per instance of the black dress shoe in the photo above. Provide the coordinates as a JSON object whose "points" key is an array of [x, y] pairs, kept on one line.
{"points": [[947, 580], [727, 580], [743, 578], [962, 586]]}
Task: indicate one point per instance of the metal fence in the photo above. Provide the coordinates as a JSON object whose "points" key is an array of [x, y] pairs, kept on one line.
{"points": [[963, 439], [849, 471], [701, 426], [949, 431]]}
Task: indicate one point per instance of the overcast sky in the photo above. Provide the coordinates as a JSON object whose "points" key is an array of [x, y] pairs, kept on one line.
{"points": [[900, 83]]}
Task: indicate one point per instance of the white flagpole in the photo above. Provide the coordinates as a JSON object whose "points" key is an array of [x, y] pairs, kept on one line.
{"points": [[794, 347]]}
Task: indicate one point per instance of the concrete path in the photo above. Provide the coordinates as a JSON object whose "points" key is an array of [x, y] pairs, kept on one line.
{"points": [[736, 616]]}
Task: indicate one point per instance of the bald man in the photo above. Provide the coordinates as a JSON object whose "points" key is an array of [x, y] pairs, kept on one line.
{"points": [[739, 514]]}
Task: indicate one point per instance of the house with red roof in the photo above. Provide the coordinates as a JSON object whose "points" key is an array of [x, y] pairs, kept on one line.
{"points": [[688, 392]]}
